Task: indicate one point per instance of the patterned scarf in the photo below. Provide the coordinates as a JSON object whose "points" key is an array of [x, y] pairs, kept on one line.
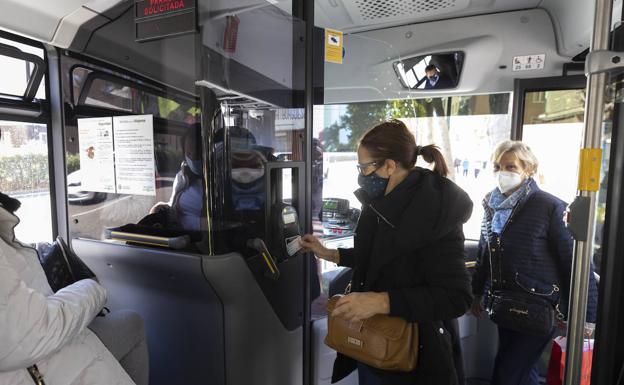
{"points": [[503, 205]]}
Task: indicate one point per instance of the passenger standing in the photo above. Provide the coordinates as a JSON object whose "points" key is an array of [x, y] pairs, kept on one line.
{"points": [[408, 254], [456, 164], [524, 236], [465, 167]]}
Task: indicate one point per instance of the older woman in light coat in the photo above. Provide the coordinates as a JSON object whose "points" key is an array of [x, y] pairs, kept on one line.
{"points": [[45, 330]]}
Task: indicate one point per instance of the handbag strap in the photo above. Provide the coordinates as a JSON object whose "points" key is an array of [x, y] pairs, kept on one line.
{"points": [[61, 243], [36, 375], [488, 227]]}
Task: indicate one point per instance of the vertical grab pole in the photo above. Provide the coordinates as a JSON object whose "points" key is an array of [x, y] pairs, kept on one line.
{"points": [[582, 210]]}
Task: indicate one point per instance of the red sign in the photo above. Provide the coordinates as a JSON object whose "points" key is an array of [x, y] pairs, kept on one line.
{"points": [[147, 8], [156, 19], [231, 34]]}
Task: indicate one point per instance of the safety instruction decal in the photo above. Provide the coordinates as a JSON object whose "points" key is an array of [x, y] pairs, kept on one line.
{"points": [[333, 46], [117, 154], [97, 168], [529, 62], [134, 154]]}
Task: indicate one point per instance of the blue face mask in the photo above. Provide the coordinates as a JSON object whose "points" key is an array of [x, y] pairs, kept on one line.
{"points": [[373, 184], [434, 79], [195, 165]]}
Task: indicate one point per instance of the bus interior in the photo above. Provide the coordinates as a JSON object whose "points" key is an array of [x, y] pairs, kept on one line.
{"points": [[274, 121]]}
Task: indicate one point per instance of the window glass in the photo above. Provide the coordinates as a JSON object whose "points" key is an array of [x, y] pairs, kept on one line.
{"points": [[16, 72], [555, 118], [256, 74], [177, 205], [465, 128], [115, 93], [24, 175], [24, 169]]}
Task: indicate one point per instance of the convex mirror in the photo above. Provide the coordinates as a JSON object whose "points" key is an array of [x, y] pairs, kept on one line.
{"points": [[430, 72]]}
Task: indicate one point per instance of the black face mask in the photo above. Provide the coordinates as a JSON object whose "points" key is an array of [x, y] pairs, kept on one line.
{"points": [[373, 184]]}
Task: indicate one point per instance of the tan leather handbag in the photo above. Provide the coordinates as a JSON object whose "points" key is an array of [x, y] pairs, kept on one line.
{"points": [[381, 341]]}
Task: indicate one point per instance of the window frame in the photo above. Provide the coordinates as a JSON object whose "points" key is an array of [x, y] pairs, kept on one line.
{"points": [[29, 109], [26, 108]]}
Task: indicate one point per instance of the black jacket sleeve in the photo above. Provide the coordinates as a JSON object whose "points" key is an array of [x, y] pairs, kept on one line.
{"points": [[482, 269], [446, 293], [347, 257]]}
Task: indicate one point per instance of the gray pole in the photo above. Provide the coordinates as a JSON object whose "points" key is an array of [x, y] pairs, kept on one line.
{"points": [[586, 199]]}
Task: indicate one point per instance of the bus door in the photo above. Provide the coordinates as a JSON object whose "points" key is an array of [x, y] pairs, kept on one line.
{"points": [[548, 115]]}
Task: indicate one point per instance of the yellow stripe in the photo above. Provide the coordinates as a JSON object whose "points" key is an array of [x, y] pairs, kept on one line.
{"points": [[266, 259], [589, 169], [142, 243], [471, 264], [130, 235]]}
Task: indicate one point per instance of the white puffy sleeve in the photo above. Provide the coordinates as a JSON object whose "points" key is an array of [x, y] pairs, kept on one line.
{"points": [[33, 326]]}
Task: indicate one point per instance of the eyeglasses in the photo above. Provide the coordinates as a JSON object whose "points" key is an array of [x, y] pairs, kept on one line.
{"points": [[363, 166]]}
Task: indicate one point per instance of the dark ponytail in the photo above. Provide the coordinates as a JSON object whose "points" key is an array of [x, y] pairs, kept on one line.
{"points": [[431, 154], [393, 140]]}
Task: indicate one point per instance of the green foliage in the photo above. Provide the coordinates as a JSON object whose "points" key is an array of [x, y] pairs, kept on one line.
{"points": [[408, 108], [24, 172], [360, 117], [72, 163]]}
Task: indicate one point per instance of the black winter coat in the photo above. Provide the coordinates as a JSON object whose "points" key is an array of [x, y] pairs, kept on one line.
{"points": [[535, 252], [413, 249]]}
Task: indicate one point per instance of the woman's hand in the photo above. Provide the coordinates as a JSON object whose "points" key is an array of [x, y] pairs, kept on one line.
{"points": [[477, 306], [590, 328], [311, 243], [356, 307]]}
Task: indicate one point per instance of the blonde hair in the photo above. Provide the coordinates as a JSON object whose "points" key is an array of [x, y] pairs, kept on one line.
{"points": [[521, 151]]}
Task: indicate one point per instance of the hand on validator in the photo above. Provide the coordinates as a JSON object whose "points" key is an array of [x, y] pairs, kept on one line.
{"points": [[311, 243]]}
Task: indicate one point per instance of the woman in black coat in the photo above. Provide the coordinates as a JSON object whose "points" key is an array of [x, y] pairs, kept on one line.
{"points": [[530, 249], [408, 257]]}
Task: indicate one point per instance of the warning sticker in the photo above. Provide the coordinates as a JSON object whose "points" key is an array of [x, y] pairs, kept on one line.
{"points": [[333, 46], [529, 62]]}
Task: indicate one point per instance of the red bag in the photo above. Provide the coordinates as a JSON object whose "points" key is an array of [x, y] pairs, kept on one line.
{"points": [[556, 366]]}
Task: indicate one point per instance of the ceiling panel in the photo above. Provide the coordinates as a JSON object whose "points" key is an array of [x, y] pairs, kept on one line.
{"points": [[361, 15]]}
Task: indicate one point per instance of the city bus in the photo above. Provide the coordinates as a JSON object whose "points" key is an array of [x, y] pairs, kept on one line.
{"points": [[98, 99]]}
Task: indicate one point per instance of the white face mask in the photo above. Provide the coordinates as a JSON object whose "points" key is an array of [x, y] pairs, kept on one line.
{"points": [[508, 181], [247, 175]]}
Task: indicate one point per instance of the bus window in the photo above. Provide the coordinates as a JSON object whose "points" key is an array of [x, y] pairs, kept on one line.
{"points": [[466, 128], [24, 167], [555, 117], [98, 92]]}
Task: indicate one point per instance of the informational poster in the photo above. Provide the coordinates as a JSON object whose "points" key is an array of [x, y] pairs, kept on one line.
{"points": [[333, 46], [529, 62], [117, 154], [97, 166], [134, 154]]}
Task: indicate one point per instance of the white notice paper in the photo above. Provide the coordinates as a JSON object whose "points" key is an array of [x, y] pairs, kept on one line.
{"points": [[97, 168], [134, 154]]}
